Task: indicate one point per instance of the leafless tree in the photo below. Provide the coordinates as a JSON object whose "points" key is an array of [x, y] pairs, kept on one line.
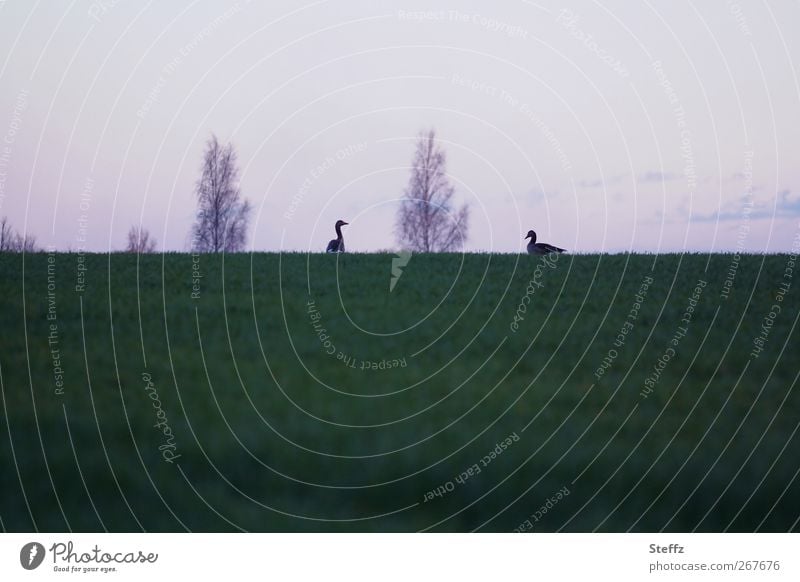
{"points": [[12, 242], [25, 244], [222, 217], [140, 241], [7, 236], [426, 221]]}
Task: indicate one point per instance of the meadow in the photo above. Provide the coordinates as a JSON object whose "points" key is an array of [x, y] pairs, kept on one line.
{"points": [[294, 392]]}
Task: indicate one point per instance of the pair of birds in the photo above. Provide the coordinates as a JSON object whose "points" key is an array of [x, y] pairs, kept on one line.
{"points": [[337, 245]]}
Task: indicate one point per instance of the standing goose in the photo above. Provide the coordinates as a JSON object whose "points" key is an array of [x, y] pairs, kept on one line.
{"points": [[535, 248], [337, 244]]}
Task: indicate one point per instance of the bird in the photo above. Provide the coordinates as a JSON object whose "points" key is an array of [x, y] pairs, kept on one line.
{"points": [[535, 248], [337, 244]]}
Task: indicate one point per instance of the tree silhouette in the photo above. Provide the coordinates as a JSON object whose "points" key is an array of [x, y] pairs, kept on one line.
{"points": [[222, 217], [426, 221], [12, 242], [140, 241]]}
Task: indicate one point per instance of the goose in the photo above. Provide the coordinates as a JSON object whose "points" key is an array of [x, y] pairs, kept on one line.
{"points": [[535, 248], [337, 244]]}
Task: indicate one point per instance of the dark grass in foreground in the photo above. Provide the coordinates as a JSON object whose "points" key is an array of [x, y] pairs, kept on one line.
{"points": [[270, 431]]}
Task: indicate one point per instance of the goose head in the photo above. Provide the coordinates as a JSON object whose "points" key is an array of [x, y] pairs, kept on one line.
{"points": [[340, 223], [531, 235]]}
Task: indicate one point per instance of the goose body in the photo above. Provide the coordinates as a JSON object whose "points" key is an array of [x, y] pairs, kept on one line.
{"points": [[535, 248], [337, 245]]}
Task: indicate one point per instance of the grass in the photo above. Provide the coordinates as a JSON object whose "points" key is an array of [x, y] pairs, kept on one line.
{"points": [[269, 432]]}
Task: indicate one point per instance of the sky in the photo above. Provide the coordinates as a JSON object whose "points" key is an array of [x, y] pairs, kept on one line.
{"points": [[604, 126]]}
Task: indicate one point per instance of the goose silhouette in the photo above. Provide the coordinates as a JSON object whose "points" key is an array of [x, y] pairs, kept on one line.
{"points": [[337, 245], [535, 248]]}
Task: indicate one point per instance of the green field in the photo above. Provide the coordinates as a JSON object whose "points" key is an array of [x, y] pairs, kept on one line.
{"points": [[133, 405]]}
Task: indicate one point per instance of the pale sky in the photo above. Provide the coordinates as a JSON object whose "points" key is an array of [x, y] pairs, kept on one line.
{"points": [[604, 126]]}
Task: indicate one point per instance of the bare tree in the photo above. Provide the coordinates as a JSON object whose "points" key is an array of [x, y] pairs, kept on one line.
{"points": [[426, 221], [140, 241], [12, 242], [7, 236], [25, 244], [222, 217]]}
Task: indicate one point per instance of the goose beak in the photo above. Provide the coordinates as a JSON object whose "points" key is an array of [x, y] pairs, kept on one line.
{"points": [[343, 223]]}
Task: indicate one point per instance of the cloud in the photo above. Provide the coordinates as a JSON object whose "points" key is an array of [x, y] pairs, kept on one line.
{"points": [[787, 205], [657, 177], [599, 182], [535, 196]]}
